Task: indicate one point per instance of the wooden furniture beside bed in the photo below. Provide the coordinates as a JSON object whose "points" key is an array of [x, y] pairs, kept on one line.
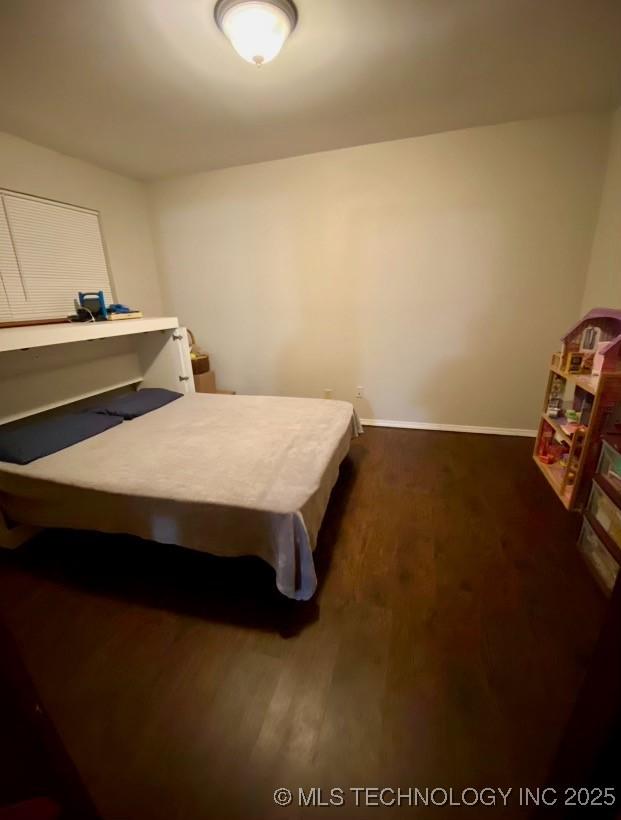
{"points": [[206, 383]]}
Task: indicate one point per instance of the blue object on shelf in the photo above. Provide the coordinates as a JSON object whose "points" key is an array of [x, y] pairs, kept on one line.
{"points": [[94, 302]]}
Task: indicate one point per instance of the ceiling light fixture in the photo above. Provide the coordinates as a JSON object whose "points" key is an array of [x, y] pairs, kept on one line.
{"points": [[257, 29]]}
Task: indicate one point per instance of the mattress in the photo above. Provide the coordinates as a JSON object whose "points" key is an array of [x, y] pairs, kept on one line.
{"points": [[228, 475]]}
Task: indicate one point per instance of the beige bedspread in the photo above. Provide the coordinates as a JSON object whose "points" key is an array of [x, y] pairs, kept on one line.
{"points": [[229, 475]]}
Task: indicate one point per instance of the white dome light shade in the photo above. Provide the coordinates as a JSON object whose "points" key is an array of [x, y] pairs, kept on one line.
{"points": [[257, 29]]}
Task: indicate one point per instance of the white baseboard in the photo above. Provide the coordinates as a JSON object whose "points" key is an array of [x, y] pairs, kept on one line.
{"points": [[449, 428]]}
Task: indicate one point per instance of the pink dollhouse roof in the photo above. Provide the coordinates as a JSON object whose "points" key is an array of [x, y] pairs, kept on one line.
{"points": [[612, 343], [597, 313]]}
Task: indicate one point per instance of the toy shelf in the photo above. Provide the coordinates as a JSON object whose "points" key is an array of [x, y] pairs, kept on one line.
{"points": [[588, 383], [556, 426], [571, 477], [554, 474]]}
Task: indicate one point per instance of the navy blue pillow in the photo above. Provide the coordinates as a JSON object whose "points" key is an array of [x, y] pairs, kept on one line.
{"points": [[26, 442], [131, 405]]}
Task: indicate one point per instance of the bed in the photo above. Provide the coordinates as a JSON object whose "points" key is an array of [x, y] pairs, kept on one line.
{"points": [[228, 475]]}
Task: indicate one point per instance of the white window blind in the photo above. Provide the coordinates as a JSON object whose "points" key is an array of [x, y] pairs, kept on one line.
{"points": [[48, 252]]}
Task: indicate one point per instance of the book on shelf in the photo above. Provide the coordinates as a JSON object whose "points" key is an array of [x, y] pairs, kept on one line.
{"points": [[135, 314]]}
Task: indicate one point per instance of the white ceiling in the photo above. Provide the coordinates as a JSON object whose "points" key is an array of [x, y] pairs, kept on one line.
{"points": [[151, 88]]}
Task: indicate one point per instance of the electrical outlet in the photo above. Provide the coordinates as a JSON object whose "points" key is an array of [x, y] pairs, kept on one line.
{"points": [[360, 392], [327, 392]]}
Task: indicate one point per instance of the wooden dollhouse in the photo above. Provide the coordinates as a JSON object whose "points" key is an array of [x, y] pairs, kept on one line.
{"points": [[581, 404]]}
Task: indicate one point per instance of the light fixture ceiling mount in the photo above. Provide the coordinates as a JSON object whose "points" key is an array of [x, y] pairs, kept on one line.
{"points": [[257, 29]]}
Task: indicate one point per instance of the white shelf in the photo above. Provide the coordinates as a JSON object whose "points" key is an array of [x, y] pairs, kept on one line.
{"points": [[86, 394], [22, 338]]}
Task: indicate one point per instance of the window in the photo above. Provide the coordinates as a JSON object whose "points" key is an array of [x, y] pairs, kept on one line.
{"points": [[48, 252]]}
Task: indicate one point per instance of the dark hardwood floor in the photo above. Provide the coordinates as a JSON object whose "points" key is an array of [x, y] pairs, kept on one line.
{"points": [[445, 646]]}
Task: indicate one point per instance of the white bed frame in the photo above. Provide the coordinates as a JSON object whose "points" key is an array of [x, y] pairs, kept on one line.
{"points": [[43, 367]]}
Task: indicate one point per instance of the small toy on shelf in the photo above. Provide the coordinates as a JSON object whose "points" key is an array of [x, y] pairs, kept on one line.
{"points": [[555, 407], [570, 428], [555, 397], [557, 387], [551, 448], [575, 362], [544, 452]]}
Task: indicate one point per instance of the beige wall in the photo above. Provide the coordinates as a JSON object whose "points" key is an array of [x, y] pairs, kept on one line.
{"points": [[33, 169], [437, 272], [603, 284]]}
